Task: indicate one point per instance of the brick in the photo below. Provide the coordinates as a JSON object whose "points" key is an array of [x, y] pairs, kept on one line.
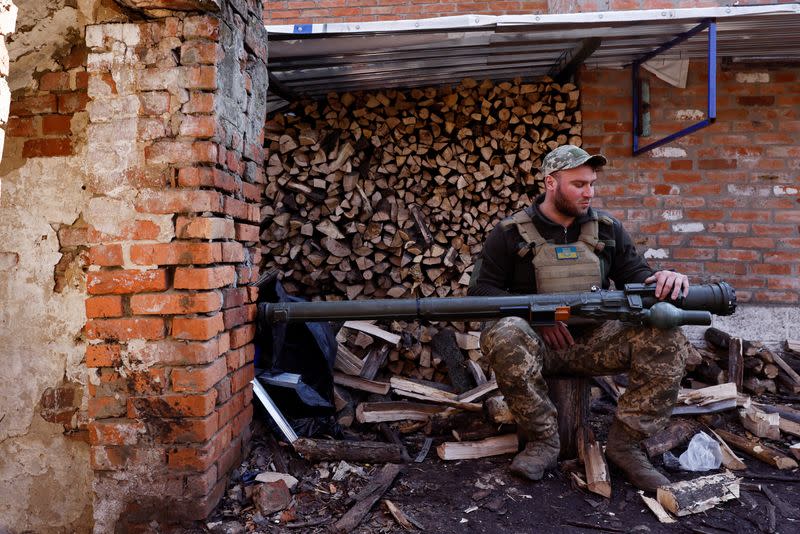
{"points": [[200, 126], [230, 457], [230, 409], [232, 252], [73, 102], [238, 316], [21, 127], [106, 407], [235, 208], [187, 430], [200, 77], [253, 192], [148, 382], [198, 52], [106, 255], [248, 233], [33, 105], [54, 81], [168, 151], [47, 147], [172, 405], [235, 296], [104, 306], [201, 27], [102, 355], [755, 100], [202, 484], [154, 103], [175, 303], [150, 201], [174, 352], [110, 458], [72, 236], [204, 278], [198, 379], [126, 281], [200, 102], [138, 230], [204, 228], [176, 253], [199, 458], [57, 124], [125, 329], [115, 432], [197, 328], [242, 335]]}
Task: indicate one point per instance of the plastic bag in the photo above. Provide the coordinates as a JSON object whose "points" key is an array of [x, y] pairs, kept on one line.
{"points": [[702, 454]]}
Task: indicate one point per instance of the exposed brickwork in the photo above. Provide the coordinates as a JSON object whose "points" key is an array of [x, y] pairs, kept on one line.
{"points": [[723, 202], [43, 116], [160, 340]]}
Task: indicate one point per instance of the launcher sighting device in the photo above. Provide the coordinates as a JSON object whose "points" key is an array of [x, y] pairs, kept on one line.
{"points": [[636, 304]]}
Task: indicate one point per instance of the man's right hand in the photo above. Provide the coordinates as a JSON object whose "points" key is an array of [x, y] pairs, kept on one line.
{"points": [[557, 336]]}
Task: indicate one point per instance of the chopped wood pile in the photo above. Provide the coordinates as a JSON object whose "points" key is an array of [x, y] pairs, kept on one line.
{"points": [[474, 421], [391, 193]]}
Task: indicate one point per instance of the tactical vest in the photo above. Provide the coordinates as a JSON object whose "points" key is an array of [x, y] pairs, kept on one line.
{"points": [[570, 267]]}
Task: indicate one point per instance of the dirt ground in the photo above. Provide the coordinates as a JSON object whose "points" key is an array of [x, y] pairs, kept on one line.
{"points": [[481, 496]]}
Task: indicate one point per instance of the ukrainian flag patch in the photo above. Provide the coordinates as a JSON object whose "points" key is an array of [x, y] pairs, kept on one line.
{"points": [[566, 253]]}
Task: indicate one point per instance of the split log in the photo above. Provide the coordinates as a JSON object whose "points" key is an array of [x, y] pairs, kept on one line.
{"points": [[793, 376], [700, 494], [317, 450], [378, 412], [362, 384], [795, 449], [445, 421], [678, 432], [371, 329], [758, 450], [347, 362], [598, 479], [478, 449], [785, 412], [657, 509], [478, 391], [789, 427], [717, 338], [367, 498], [761, 424], [373, 362]]}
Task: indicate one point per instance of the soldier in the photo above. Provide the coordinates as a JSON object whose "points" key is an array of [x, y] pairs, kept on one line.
{"points": [[561, 244]]}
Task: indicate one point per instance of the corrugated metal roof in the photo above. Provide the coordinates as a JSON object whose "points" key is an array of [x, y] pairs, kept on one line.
{"points": [[412, 53]]}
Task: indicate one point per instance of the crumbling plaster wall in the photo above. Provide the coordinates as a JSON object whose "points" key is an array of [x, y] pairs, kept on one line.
{"points": [[45, 473]]}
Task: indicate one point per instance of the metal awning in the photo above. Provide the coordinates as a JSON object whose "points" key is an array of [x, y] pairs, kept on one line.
{"points": [[317, 58]]}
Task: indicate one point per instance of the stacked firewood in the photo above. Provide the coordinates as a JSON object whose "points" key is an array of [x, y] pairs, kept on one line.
{"points": [[391, 193], [752, 366]]}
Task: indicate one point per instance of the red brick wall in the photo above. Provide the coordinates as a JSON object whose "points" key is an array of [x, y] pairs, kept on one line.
{"points": [[315, 11], [722, 202], [42, 116], [170, 319]]}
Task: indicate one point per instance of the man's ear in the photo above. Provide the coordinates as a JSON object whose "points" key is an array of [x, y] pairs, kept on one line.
{"points": [[550, 182]]}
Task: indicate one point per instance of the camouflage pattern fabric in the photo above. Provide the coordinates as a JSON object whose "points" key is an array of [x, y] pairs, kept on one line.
{"points": [[654, 360], [569, 157]]}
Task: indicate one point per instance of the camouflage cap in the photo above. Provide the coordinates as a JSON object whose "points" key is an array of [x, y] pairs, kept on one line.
{"points": [[569, 157]]}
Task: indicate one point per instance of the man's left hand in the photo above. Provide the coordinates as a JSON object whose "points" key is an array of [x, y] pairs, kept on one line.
{"points": [[669, 284]]}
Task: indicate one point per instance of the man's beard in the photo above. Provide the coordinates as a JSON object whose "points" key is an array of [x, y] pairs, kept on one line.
{"points": [[565, 207]]}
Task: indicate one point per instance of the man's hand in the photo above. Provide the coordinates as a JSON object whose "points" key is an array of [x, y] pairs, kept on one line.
{"points": [[669, 284], [557, 336]]}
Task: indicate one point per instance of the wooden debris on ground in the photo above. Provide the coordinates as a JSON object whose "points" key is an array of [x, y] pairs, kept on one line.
{"points": [[465, 450], [598, 479], [351, 451], [699, 494], [367, 498], [655, 507], [758, 450]]}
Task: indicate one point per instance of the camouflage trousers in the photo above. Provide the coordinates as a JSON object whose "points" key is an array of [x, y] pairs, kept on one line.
{"points": [[653, 358]]}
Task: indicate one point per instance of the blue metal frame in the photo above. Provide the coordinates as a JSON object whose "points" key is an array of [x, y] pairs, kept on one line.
{"points": [[712, 85]]}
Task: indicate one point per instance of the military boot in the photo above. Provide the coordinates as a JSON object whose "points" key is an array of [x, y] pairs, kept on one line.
{"points": [[538, 456], [623, 450]]}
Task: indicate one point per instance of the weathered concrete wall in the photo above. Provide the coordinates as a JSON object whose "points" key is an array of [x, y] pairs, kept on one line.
{"points": [[45, 476]]}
